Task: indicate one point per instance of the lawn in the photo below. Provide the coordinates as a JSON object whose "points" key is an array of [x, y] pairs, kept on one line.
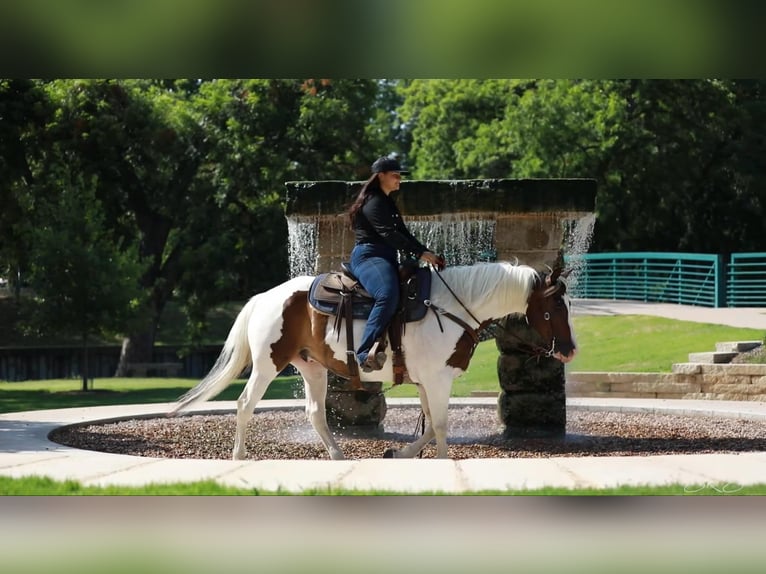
{"points": [[66, 393], [39, 486], [620, 343], [629, 343]]}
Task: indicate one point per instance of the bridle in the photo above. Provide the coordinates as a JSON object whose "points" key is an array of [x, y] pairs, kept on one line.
{"points": [[535, 351]]}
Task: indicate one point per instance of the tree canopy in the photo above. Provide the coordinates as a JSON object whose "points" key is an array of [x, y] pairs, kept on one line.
{"points": [[162, 189], [679, 164]]}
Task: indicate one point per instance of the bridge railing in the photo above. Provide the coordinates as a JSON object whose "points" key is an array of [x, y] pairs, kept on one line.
{"points": [[746, 280], [682, 278]]}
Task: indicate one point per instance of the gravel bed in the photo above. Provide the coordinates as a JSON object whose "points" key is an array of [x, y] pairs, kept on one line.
{"points": [[474, 433]]}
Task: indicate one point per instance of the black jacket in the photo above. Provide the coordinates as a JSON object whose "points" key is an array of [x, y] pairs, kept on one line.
{"points": [[379, 221]]}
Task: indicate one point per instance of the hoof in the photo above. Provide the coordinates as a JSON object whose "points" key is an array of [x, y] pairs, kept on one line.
{"points": [[389, 453]]}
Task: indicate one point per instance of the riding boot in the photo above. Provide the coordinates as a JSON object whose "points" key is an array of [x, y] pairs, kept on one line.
{"points": [[376, 357]]}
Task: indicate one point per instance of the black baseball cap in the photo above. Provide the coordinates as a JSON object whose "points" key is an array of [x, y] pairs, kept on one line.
{"points": [[387, 164]]}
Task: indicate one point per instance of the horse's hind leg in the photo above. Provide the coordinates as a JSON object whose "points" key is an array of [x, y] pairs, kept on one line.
{"points": [[315, 383], [254, 390]]}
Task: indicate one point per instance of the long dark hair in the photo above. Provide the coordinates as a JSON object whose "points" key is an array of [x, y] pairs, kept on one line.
{"points": [[370, 186]]}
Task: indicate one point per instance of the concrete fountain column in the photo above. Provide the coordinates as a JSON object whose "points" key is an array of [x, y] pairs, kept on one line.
{"points": [[534, 221]]}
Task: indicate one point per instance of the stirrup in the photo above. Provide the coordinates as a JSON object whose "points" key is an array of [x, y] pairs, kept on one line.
{"points": [[374, 362]]}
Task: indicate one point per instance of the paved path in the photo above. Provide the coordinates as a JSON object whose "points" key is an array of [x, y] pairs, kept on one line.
{"points": [[748, 317], [25, 449]]}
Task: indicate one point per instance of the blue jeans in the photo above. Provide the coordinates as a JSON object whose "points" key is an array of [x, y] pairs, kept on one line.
{"points": [[376, 268]]}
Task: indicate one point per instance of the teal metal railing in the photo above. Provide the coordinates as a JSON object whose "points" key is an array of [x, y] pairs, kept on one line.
{"points": [[683, 278], [746, 280]]}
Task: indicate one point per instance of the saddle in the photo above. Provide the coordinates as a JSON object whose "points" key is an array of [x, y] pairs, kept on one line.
{"points": [[341, 295]]}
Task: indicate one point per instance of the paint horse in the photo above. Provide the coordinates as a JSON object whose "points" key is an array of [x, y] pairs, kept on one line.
{"points": [[279, 327]]}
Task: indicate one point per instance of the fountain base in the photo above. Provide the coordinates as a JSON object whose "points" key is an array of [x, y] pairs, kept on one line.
{"points": [[532, 402]]}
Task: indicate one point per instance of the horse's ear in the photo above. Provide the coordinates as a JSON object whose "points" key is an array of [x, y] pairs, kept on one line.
{"points": [[566, 273], [552, 290], [553, 276]]}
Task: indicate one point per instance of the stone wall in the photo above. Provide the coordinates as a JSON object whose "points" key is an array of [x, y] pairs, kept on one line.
{"points": [[736, 382]]}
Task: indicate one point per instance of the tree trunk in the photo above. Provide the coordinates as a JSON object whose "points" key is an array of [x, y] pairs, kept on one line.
{"points": [[136, 348], [85, 369]]}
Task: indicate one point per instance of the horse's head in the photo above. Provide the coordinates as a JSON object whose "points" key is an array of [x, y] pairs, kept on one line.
{"points": [[548, 313]]}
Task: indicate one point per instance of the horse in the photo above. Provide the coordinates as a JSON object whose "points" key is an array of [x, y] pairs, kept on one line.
{"points": [[279, 327]]}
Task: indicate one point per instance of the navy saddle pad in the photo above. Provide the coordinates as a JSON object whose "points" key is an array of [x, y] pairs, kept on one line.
{"points": [[325, 294]]}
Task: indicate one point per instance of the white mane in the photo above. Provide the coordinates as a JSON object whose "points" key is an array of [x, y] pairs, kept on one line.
{"points": [[486, 288]]}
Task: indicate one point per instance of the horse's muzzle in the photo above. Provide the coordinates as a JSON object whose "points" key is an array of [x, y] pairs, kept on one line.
{"points": [[565, 353]]}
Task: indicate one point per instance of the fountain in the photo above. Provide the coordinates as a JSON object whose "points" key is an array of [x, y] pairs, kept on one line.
{"points": [[534, 221]]}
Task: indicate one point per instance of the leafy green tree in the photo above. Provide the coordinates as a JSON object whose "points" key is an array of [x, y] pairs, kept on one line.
{"points": [[24, 113], [192, 174], [678, 162], [145, 150], [672, 182], [445, 120], [186, 176], [83, 282]]}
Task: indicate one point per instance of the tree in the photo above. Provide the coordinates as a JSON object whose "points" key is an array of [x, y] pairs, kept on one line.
{"points": [[192, 174], [186, 176], [24, 112], [677, 162], [145, 150], [672, 177], [84, 283], [445, 119]]}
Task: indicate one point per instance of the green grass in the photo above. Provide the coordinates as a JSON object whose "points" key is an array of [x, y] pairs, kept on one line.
{"points": [[43, 486], [623, 343], [627, 343], [67, 393], [638, 343]]}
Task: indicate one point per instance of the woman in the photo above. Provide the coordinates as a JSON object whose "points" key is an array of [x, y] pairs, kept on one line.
{"points": [[379, 234]]}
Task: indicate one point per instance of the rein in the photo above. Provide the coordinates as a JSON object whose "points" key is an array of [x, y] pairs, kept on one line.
{"points": [[472, 332], [439, 275]]}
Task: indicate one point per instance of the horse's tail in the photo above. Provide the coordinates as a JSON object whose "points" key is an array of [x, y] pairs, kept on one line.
{"points": [[234, 358]]}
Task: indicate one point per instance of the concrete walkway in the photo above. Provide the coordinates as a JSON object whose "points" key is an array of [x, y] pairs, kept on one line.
{"points": [[747, 317], [25, 449]]}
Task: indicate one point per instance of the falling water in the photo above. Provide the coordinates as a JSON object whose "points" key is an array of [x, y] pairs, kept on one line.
{"points": [[461, 238], [302, 245], [578, 235]]}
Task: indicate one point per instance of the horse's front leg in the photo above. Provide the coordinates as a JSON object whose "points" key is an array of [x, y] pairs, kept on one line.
{"points": [[433, 425], [438, 403], [315, 384]]}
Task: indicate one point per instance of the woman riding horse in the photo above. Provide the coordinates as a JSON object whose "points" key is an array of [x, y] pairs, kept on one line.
{"points": [[380, 233]]}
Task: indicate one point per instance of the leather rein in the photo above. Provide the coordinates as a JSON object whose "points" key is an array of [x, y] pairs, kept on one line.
{"points": [[473, 333]]}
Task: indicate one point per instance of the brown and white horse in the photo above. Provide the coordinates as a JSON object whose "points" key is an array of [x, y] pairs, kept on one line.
{"points": [[278, 327]]}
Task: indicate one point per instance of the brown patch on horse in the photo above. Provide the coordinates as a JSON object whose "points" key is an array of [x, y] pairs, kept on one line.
{"points": [[303, 331], [463, 352], [464, 349]]}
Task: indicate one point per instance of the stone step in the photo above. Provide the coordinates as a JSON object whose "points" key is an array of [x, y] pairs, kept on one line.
{"points": [[737, 346], [712, 357], [485, 393]]}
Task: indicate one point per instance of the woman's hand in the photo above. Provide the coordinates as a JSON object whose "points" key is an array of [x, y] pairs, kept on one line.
{"points": [[433, 259]]}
